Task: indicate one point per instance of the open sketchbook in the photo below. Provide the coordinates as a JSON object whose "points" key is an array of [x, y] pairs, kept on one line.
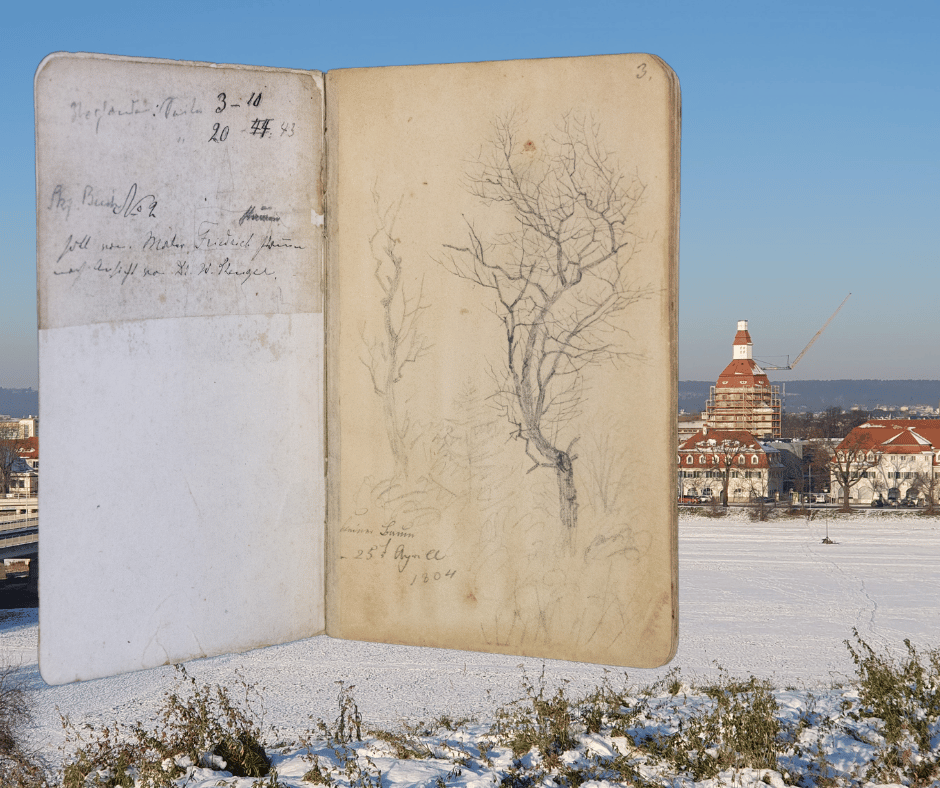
{"points": [[386, 353]]}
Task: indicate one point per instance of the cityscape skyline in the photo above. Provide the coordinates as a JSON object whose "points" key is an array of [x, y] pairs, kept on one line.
{"points": [[809, 163]]}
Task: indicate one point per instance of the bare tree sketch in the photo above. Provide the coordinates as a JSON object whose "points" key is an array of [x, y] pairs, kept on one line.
{"points": [[606, 465], [559, 274], [467, 449], [400, 342]]}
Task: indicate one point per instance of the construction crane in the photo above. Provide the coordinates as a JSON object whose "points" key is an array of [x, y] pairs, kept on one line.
{"points": [[815, 337]]}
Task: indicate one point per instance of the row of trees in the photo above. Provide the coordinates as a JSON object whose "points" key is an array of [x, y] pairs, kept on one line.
{"points": [[831, 423]]}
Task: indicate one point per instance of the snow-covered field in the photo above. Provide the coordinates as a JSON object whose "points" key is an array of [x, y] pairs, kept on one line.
{"points": [[764, 599]]}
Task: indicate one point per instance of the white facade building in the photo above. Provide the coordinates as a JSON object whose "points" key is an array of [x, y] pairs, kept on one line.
{"points": [[753, 469], [889, 459]]}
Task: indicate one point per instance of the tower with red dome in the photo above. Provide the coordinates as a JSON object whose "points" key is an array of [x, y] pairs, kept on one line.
{"points": [[743, 398]]}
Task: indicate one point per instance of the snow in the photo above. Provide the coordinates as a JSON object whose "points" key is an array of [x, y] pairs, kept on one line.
{"points": [[765, 599]]}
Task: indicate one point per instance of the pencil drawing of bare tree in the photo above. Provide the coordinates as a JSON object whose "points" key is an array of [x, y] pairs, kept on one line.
{"points": [[468, 449], [559, 270], [400, 341], [606, 465]]}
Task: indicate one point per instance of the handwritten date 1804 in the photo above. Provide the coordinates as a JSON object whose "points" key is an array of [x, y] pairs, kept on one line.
{"points": [[429, 577]]}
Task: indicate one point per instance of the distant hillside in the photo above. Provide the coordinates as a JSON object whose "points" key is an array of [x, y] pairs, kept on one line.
{"points": [[19, 403], [817, 395], [801, 395]]}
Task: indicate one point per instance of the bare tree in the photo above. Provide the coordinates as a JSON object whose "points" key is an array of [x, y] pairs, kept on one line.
{"points": [[850, 462], [467, 449], [876, 485], [831, 423], [400, 342], [10, 449], [725, 457], [760, 506], [815, 464], [927, 484], [559, 274]]}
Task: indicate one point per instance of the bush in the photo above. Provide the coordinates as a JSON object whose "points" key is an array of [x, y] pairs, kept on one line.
{"points": [[537, 721], [905, 697], [760, 510], [739, 729], [359, 772], [19, 766], [669, 733], [195, 726]]}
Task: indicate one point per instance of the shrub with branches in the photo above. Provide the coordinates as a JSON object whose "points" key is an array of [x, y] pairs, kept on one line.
{"points": [[905, 697], [20, 766], [197, 725]]}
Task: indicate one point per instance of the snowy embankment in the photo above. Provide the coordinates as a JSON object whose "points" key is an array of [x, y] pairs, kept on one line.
{"points": [[769, 600]]}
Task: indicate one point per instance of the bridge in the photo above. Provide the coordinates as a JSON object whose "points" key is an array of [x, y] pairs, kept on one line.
{"points": [[19, 526], [19, 538]]}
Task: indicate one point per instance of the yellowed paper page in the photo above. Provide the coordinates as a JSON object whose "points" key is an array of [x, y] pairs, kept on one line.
{"points": [[502, 296], [181, 351]]}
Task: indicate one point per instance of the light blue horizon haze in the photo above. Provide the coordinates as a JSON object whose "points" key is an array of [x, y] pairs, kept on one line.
{"points": [[809, 147]]}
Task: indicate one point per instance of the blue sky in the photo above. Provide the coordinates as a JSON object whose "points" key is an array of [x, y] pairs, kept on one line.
{"points": [[809, 147]]}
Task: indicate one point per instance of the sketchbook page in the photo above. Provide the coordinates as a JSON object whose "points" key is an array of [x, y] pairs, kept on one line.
{"points": [[181, 343], [501, 310]]}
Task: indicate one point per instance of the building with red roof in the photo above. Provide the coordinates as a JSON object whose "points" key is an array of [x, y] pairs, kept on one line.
{"points": [[743, 398], [729, 465], [888, 460], [28, 449]]}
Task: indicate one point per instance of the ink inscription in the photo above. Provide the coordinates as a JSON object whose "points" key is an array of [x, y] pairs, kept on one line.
{"points": [[209, 226]]}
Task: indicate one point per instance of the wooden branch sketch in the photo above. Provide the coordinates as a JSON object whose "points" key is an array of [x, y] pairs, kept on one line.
{"points": [[401, 341], [560, 275]]}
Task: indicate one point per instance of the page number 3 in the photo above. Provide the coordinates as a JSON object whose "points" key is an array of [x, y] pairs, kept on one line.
{"points": [[641, 71]]}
